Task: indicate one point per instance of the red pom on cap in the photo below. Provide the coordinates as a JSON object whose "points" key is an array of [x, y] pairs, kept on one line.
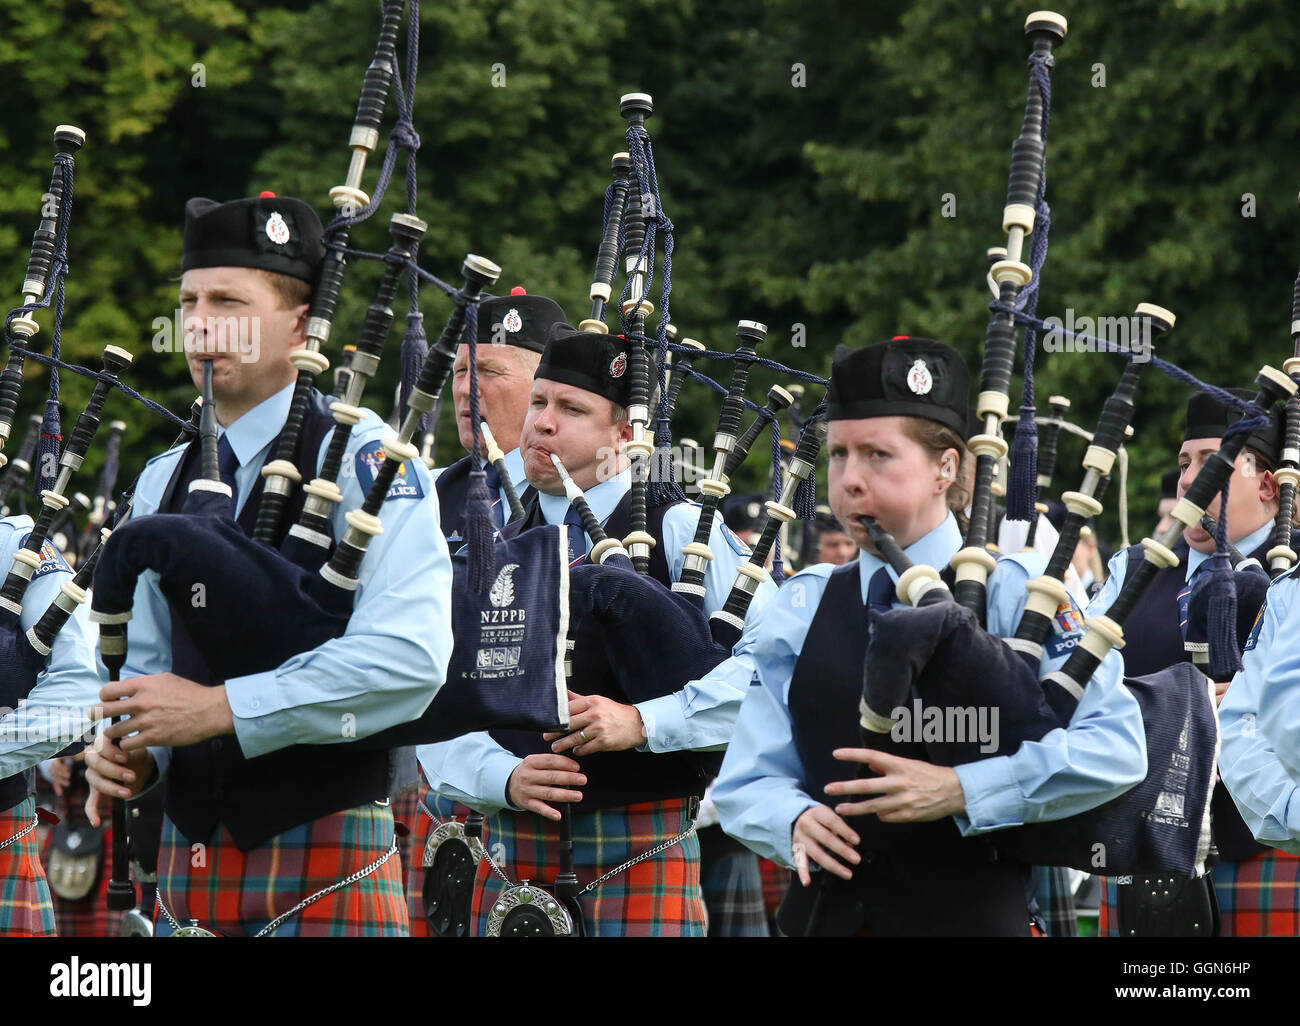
{"points": [[266, 194], [519, 290]]}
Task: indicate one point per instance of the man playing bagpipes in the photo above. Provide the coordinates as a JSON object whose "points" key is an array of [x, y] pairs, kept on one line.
{"points": [[901, 849], [514, 330], [1252, 883], [266, 808], [43, 703], [516, 326], [631, 770]]}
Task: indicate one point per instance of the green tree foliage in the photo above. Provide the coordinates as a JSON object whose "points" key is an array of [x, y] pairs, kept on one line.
{"points": [[836, 170]]}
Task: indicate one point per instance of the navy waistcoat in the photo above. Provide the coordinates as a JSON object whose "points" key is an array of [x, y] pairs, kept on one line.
{"points": [[915, 879], [619, 778], [212, 781]]}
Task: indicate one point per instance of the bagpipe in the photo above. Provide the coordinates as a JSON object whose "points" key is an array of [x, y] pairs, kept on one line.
{"points": [[632, 612], [24, 653], [937, 650]]}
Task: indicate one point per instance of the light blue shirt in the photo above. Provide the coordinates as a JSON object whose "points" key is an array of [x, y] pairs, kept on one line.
{"points": [[1100, 755], [474, 770], [54, 714], [1259, 755], [391, 660]]}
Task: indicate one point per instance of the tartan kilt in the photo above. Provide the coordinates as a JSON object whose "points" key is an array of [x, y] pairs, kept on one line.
{"points": [[776, 880], [89, 917], [658, 897], [405, 811], [1258, 897], [1055, 901], [732, 886], [25, 906], [422, 827], [236, 893]]}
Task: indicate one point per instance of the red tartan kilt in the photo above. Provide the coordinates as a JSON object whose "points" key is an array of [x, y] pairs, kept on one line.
{"points": [[658, 897], [236, 893], [25, 908], [775, 882], [1258, 897]]}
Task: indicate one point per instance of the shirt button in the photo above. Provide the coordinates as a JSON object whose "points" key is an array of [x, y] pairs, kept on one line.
{"points": [[255, 703], [216, 744]]}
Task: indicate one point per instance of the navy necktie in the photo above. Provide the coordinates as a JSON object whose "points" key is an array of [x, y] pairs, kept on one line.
{"points": [[494, 490], [880, 590], [228, 463], [576, 535]]}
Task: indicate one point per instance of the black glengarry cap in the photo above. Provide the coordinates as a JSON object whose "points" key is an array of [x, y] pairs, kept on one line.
{"points": [[903, 377]]}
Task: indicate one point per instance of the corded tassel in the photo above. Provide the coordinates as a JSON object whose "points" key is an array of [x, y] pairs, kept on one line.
{"points": [[47, 450], [1225, 655], [479, 527], [478, 534], [415, 346], [805, 499], [1022, 488]]}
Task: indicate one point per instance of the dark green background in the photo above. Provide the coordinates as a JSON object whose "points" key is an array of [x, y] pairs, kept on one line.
{"points": [[819, 204]]}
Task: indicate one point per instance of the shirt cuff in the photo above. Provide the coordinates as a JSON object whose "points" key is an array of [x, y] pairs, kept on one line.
{"points": [[665, 724], [496, 776], [993, 796], [250, 702]]}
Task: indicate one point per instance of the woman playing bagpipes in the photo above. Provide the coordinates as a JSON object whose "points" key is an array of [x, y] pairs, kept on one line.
{"points": [[900, 849], [256, 767]]}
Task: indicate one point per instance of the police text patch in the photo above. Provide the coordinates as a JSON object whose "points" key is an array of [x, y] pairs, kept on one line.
{"points": [[51, 560], [406, 485], [1067, 629]]}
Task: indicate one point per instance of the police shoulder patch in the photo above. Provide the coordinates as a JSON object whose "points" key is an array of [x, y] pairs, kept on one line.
{"points": [[1067, 629], [51, 561], [734, 540], [406, 483]]}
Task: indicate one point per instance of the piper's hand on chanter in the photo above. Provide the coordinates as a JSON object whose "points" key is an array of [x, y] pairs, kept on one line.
{"points": [[599, 724], [821, 835], [911, 791], [165, 710], [113, 772], [545, 778]]}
